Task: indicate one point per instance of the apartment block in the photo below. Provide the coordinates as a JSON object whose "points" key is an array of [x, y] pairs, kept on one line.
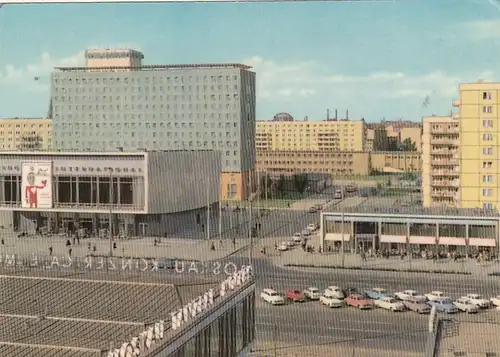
{"points": [[396, 161], [116, 102], [327, 135], [440, 161], [25, 134], [479, 114], [388, 135], [305, 161]]}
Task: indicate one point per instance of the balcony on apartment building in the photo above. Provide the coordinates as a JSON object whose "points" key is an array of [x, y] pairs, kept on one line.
{"points": [[445, 130], [445, 172], [445, 162], [446, 183], [444, 140], [446, 194], [444, 151]]}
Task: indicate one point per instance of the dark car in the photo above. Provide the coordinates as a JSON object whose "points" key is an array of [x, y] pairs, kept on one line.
{"points": [[352, 291]]}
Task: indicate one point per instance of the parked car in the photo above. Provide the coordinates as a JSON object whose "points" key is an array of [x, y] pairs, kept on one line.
{"points": [[477, 300], [359, 301], [416, 305], [312, 293], [351, 291], [444, 305], [313, 210], [167, 264], [331, 301], [350, 188], [389, 303], [495, 300], [272, 297], [407, 294], [377, 293], [466, 306], [305, 232], [312, 227], [297, 238], [295, 295], [338, 195], [334, 292], [436, 295], [283, 247]]}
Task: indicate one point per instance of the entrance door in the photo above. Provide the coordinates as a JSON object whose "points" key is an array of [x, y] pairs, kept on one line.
{"points": [[143, 228]]}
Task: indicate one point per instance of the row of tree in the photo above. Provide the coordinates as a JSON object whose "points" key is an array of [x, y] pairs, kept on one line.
{"points": [[281, 187]]}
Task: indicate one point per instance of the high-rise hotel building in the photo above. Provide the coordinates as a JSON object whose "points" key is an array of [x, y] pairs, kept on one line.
{"points": [[116, 102]]}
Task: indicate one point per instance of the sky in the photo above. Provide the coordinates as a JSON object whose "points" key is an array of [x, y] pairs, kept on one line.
{"points": [[375, 59]]}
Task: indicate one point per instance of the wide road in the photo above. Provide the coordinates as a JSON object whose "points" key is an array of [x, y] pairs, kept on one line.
{"points": [[310, 323]]}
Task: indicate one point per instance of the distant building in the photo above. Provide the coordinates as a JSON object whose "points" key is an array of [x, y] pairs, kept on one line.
{"points": [[440, 162], [326, 135], [117, 102], [25, 134], [387, 135]]}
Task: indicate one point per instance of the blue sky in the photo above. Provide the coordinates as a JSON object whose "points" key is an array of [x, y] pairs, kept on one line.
{"points": [[376, 59]]}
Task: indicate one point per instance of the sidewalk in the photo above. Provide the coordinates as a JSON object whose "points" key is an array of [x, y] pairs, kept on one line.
{"points": [[299, 257], [334, 349], [186, 249]]}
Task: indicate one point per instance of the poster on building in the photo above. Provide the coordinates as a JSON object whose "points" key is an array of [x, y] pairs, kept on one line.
{"points": [[36, 186]]}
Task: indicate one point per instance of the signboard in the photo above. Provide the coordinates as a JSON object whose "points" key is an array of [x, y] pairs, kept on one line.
{"points": [[36, 185]]}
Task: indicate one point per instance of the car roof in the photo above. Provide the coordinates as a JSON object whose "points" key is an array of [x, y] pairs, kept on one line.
{"points": [[357, 295], [269, 291], [333, 287], [313, 288]]}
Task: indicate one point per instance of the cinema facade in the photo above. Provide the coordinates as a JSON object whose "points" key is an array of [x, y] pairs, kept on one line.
{"points": [[142, 193]]}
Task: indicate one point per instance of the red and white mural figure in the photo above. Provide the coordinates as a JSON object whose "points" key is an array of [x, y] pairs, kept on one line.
{"points": [[36, 181]]}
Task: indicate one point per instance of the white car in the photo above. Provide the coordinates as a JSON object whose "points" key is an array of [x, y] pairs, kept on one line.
{"points": [[283, 247], [312, 227], [334, 292], [331, 301], [495, 300], [407, 294], [272, 297], [436, 295], [306, 232], [477, 300], [297, 238], [466, 306], [312, 293], [390, 303]]}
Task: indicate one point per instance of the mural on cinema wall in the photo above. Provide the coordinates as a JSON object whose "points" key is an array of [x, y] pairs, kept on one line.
{"points": [[36, 185]]}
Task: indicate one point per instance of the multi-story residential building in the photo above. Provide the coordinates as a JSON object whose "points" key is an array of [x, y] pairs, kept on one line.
{"points": [[327, 135], [25, 134], [440, 161], [395, 161], [290, 162], [116, 102], [479, 115], [336, 163]]}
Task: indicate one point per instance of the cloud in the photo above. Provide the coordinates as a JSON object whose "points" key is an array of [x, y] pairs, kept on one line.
{"points": [[40, 68], [296, 80]]}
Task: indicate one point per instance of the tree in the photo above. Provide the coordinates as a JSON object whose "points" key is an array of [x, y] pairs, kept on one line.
{"points": [[300, 182], [266, 186], [281, 186], [407, 145]]}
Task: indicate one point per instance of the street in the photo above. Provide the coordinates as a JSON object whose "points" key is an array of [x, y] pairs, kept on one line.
{"points": [[311, 323]]}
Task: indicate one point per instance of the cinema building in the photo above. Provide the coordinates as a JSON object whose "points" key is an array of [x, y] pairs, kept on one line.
{"points": [[141, 193]]}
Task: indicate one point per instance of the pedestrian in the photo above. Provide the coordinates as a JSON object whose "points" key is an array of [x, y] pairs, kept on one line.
{"points": [[260, 226], [68, 243], [94, 248], [114, 245], [50, 250], [3, 241], [89, 246], [69, 252], [212, 247]]}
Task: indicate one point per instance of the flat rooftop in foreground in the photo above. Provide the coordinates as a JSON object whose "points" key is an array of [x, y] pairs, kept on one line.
{"points": [[84, 313]]}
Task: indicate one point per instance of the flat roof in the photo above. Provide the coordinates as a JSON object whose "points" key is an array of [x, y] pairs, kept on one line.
{"points": [[91, 153], [80, 314], [157, 67], [384, 211]]}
